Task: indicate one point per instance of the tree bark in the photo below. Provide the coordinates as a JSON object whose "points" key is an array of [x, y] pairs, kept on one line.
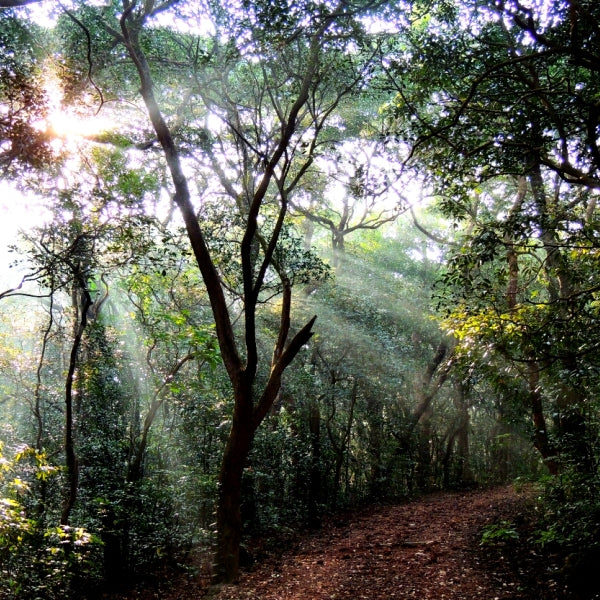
{"points": [[375, 420], [340, 444], [229, 515], [570, 422], [540, 433], [427, 388], [464, 474], [135, 469]]}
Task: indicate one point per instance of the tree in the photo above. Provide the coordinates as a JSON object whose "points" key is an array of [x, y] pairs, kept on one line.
{"points": [[230, 120], [517, 105], [358, 190], [23, 144], [531, 286], [522, 93], [284, 109]]}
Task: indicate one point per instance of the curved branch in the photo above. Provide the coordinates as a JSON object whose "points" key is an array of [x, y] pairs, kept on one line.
{"points": [[72, 466], [432, 236], [88, 38], [135, 467]]}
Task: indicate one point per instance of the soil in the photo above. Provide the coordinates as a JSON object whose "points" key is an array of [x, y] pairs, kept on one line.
{"points": [[429, 549]]}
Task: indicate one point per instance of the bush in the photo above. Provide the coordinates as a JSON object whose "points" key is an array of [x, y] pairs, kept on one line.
{"points": [[38, 560], [570, 511]]}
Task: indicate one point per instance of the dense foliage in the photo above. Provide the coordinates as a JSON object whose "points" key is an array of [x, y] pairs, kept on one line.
{"points": [[421, 178]]}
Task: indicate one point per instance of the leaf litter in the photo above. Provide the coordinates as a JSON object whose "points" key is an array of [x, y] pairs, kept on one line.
{"points": [[427, 549]]}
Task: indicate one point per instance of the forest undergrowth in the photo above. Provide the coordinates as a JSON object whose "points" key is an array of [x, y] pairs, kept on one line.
{"points": [[430, 548]]}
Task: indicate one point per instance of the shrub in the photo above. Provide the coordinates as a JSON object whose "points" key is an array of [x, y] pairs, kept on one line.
{"points": [[38, 560]]}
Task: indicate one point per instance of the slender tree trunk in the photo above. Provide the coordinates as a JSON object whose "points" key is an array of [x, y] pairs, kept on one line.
{"points": [[499, 456], [37, 394], [338, 248], [540, 434], [341, 446], [138, 450], [447, 460], [426, 389], [512, 258], [464, 472], [247, 416], [309, 229], [314, 491], [376, 435], [423, 476], [81, 303]]}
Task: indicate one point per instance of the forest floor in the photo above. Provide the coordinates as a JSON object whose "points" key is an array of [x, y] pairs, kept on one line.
{"points": [[428, 549]]}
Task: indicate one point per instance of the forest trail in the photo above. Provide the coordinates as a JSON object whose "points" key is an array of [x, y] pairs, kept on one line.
{"points": [[428, 549]]}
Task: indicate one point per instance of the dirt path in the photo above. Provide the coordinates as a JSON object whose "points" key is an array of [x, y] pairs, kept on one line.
{"points": [[427, 549]]}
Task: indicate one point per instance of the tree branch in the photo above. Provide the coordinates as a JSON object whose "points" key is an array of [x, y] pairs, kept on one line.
{"points": [[182, 198]]}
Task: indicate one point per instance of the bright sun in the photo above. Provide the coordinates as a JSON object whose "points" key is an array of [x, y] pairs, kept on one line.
{"points": [[67, 125]]}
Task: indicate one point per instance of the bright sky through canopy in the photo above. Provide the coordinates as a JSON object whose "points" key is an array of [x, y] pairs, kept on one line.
{"points": [[17, 213]]}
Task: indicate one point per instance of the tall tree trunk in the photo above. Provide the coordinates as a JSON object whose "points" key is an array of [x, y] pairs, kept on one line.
{"points": [[229, 514], [426, 388], [499, 457], [138, 446], [37, 393], [376, 436], [315, 485], [423, 474], [570, 420], [540, 436], [81, 303], [338, 248], [464, 471], [540, 433], [340, 445], [247, 414], [447, 460]]}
